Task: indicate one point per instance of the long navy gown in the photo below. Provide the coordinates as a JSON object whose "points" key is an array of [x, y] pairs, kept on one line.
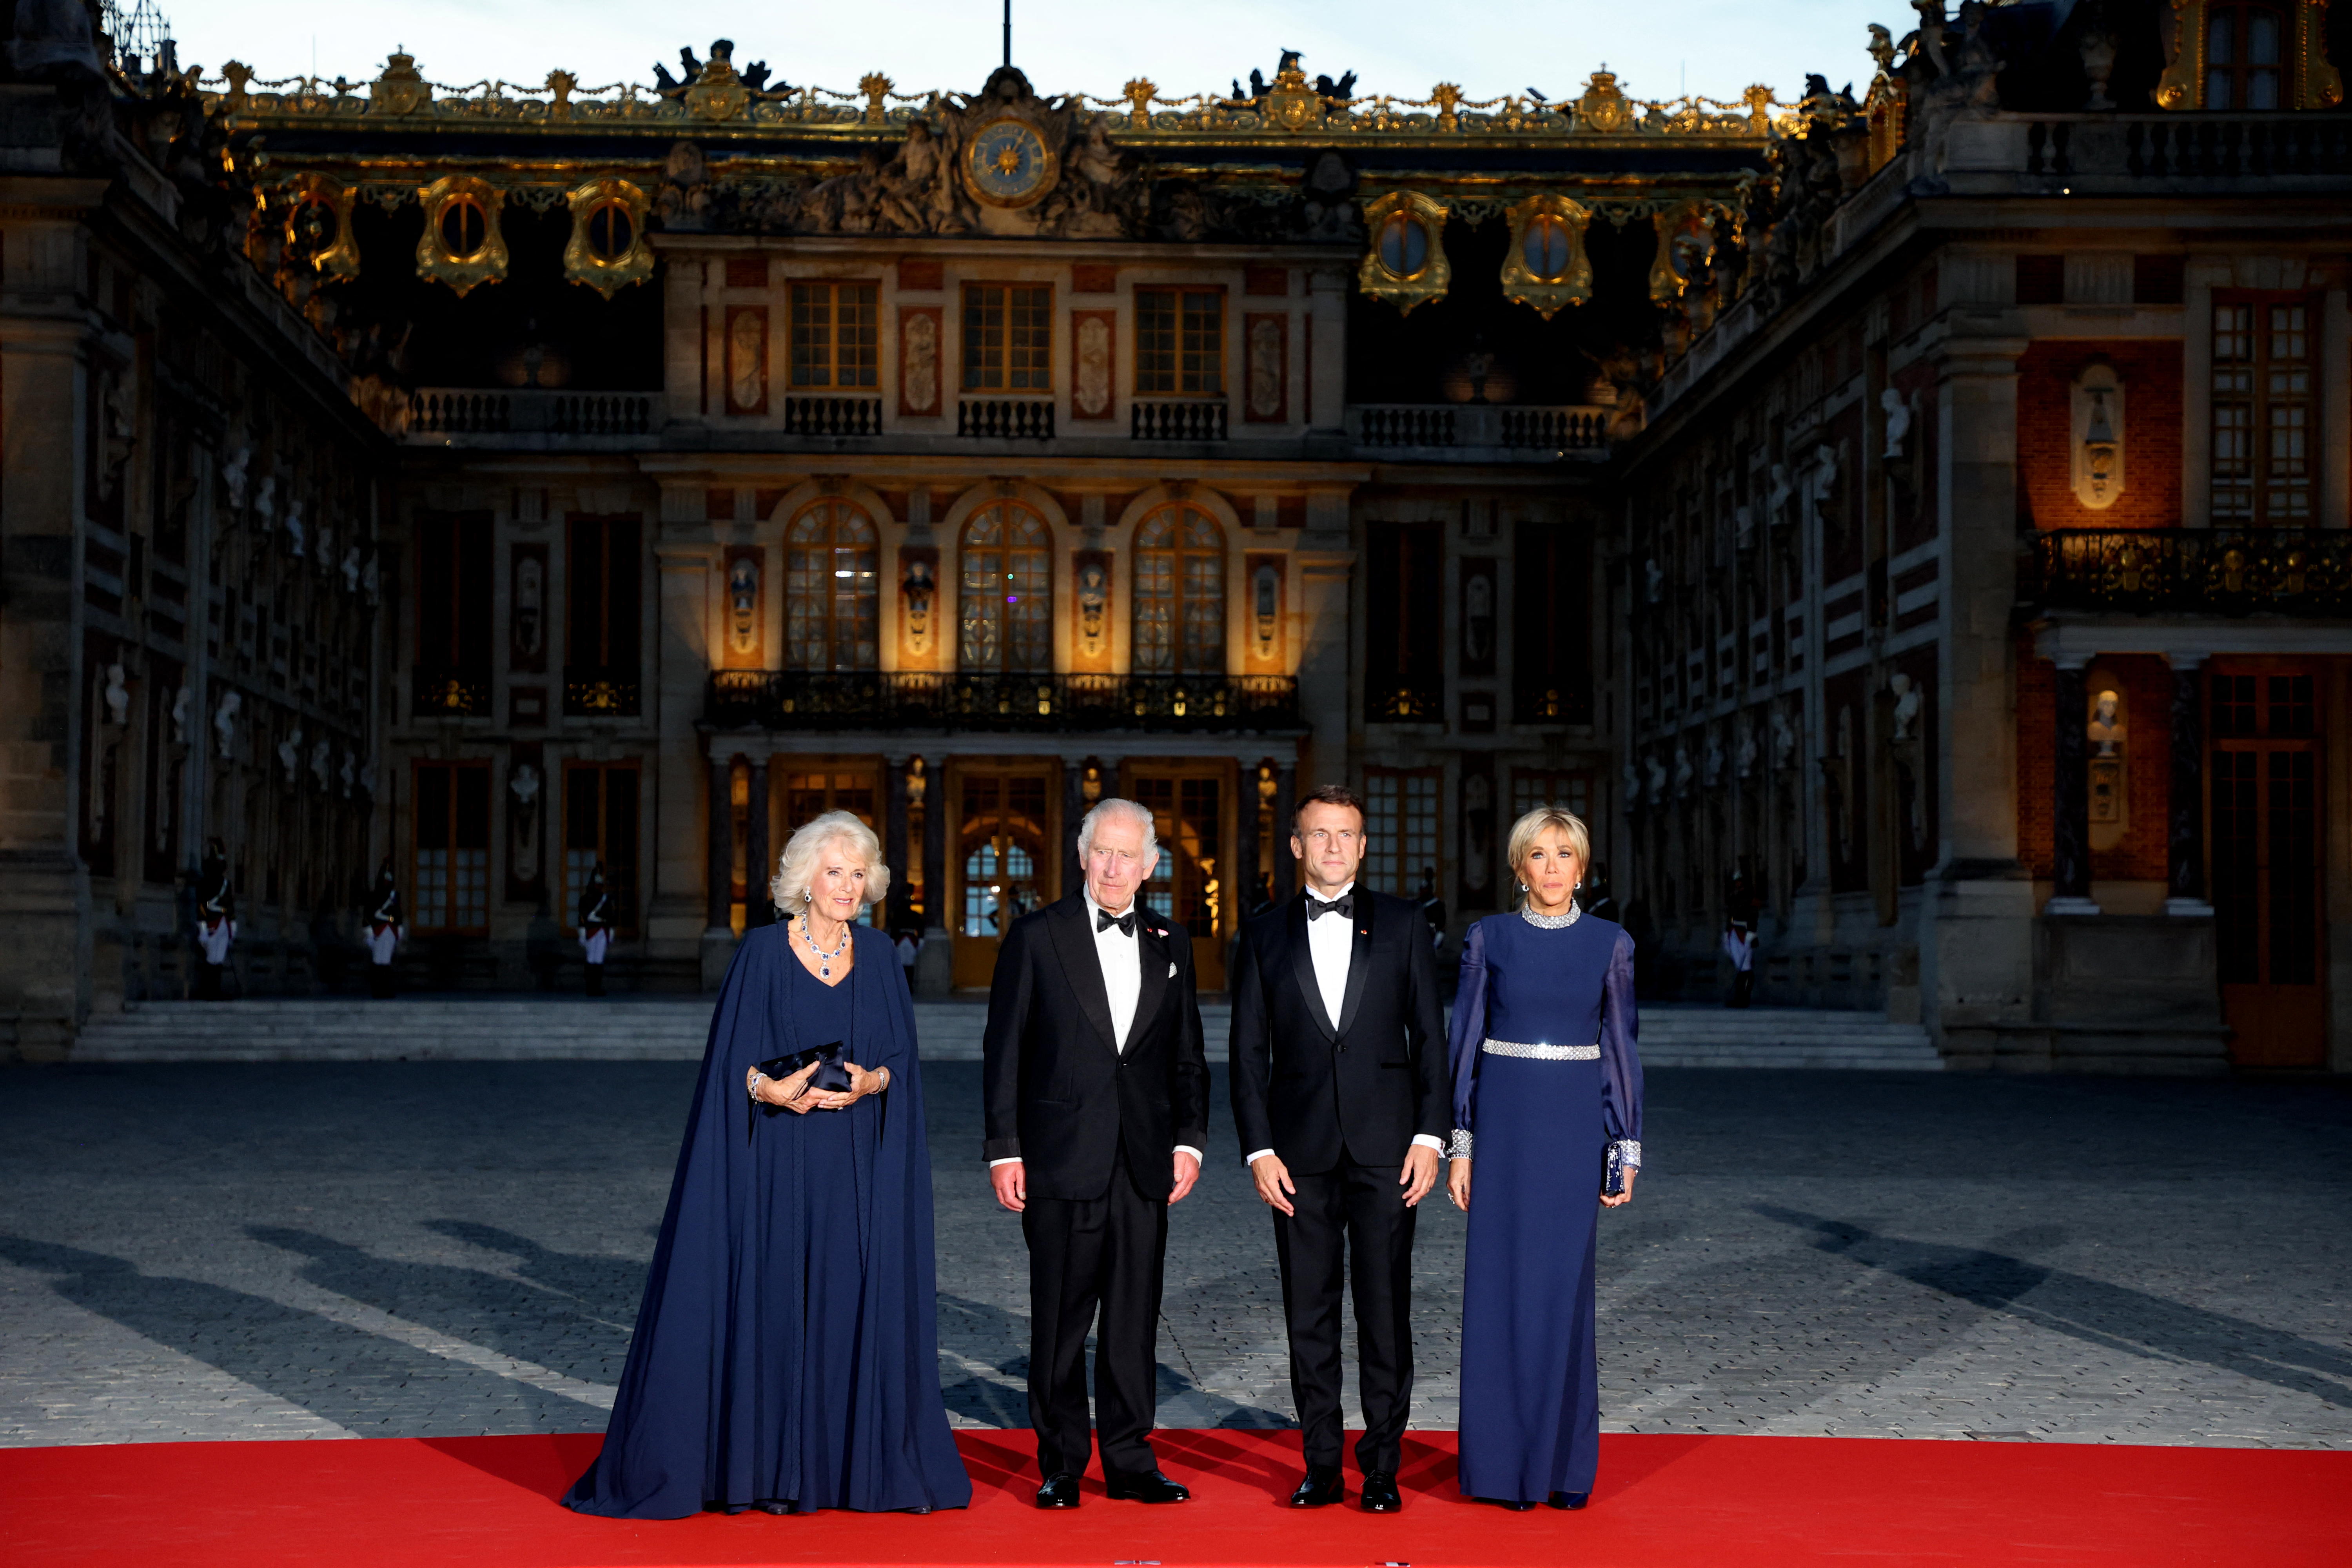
{"points": [[787, 1349], [1545, 1079]]}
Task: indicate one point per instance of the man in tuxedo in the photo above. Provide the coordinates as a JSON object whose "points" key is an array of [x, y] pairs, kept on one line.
{"points": [[1097, 1104], [1342, 1096]]}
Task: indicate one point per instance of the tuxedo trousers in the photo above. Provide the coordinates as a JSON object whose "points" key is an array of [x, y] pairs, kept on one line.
{"points": [[1356, 1213], [1087, 1257]]}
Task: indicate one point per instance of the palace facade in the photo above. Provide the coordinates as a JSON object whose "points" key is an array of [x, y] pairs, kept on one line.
{"points": [[1927, 509]]}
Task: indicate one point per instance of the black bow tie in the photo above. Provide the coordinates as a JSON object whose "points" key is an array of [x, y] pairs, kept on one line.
{"points": [[1344, 906], [1104, 920]]}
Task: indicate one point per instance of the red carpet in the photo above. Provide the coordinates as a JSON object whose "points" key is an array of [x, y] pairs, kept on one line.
{"points": [[1714, 1503]]}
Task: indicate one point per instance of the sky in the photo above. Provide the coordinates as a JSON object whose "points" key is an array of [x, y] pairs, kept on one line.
{"points": [[1713, 47]]}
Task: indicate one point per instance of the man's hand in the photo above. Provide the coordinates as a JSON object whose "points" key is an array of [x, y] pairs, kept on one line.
{"points": [[1419, 1173], [1012, 1183], [1187, 1171], [1273, 1178]]}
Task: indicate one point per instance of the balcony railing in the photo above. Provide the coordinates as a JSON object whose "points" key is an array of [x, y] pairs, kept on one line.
{"points": [[1189, 420], [1534, 431], [1005, 418], [833, 416], [1404, 698], [875, 700], [445, 692], [462, 411], [2200, 571], [593, 692], [2188, 146]]}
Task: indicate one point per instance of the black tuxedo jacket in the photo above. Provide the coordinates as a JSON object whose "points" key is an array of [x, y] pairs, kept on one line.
{"points": [[1057, 1093], [1308, 1086]]}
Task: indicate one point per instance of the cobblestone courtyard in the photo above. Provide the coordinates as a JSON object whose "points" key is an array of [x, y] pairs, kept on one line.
{"points": [[412, 1249]]}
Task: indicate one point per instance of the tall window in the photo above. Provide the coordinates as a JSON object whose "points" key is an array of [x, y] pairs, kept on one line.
{"points": [[831, 587], [1008, 337], [452, 869], [453, 591], [808, 796], [1530, 790], [1004, 841], [834, 335], [1401, 826], [1404, 672], [603, 598], [2261, 412], [1179, 593], [1180, 341], [600, 824], [1006, 609], [1188, 886], [1551, 645], [2245, 51]]}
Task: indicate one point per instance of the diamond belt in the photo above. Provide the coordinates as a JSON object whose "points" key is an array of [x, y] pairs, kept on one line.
{"points": [[1543, 1053]]}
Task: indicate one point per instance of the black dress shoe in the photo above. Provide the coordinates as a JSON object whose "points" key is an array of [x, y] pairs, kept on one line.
{"points": [[1381, 1493], [1143, 1485], [1324, 1485], [1569, 1499], [1513, 1504], [1059, 1492]]}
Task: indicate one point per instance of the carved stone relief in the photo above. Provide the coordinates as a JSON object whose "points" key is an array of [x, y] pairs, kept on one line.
{"points": [[919, 359], [1266, 368], [1093, 372]]}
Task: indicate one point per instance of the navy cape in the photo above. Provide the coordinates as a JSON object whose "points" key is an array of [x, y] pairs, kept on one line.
{"points": [[777, 1224]]}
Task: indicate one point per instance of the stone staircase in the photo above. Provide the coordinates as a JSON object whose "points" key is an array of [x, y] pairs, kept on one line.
{"points": [[652, 1028]]}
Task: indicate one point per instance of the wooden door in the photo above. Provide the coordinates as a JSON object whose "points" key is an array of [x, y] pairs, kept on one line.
{"points": [[1191, 807], [1005, 857], [2265, 784]]}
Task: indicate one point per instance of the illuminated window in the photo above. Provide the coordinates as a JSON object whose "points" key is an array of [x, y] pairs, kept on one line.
{"points": [[831, 587], [2261, 412], [1005, 611], [1179, 594]]}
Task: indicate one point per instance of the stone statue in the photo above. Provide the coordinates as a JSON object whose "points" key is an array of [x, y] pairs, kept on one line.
{"points": [[117, 693], [321, 763], [1743, 756], [2107, 727], [1711, 763], [1784, 741], [295, 534], [351, 570], [1908, 699], [1654, 582], [1657, 772], [351, 764], [181, 699], [326, 550], [264, 502], [1683, 770], [233, 474], [224, 723], [290, 754], [1777, 496], [1898, 421], [1631, 787]]}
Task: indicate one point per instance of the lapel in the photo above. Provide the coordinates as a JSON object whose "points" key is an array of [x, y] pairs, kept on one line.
{"points": [[1359, 962], [1081, 965], [1302, 966], [1152, 954]]}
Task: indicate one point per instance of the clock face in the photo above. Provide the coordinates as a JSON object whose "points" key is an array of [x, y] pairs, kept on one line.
{"points": [[1007, 163]]}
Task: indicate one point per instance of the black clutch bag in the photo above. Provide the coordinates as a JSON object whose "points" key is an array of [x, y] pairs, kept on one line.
{"points": [[1612, 1182], [832, 1074]]}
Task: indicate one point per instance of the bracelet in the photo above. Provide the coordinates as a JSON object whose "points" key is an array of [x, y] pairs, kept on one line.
{"points": [[752, 1087]]}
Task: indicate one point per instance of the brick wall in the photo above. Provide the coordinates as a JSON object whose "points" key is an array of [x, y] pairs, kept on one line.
{"points": [[2145, 682], [2151, 376]]}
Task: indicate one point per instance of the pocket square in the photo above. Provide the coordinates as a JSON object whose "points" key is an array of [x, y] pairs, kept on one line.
{"points": [[1171, 971]]}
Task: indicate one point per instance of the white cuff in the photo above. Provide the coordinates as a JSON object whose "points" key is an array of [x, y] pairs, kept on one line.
{"points": [[1015, 1161], [1429, 1140], [1254, 1159], [1188, 1149]]}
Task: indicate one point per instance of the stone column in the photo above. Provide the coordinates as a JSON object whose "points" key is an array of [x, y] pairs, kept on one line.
{"points": [[1240, 875], [1326, 350], [1073, 811], [719, 934], [935, 964], [2070, 802], [758, 862], [895, 914], [2185, 880], [1286, 797]]}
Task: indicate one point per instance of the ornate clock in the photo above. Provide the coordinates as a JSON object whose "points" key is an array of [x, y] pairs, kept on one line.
{"points": [[1007, 163]]}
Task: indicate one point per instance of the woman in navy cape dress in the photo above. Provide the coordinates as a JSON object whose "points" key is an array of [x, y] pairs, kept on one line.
{"points": [[1545, 1079], [786, 1355]]}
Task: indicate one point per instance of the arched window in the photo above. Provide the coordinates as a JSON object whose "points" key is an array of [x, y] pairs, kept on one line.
{"points": [[1005, 611], [832, 583], [1179, 593]]}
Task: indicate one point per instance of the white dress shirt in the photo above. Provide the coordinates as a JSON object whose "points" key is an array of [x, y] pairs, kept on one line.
{"points": [[1332, 948], [1120, 953]]}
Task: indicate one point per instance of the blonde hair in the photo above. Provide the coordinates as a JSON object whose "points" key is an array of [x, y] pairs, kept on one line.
{"points": [[1541, 820], [797, 865]]}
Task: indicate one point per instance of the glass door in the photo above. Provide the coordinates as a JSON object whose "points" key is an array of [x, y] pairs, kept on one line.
{"points": [[1006, 860], [2266, 866], [1189, 886]]}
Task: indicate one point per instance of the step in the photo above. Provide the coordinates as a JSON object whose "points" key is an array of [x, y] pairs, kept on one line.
{"points": [[640, 1028]]}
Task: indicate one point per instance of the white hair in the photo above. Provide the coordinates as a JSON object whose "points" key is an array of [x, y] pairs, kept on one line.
{"points": [[797, 865], [1112, 806]]}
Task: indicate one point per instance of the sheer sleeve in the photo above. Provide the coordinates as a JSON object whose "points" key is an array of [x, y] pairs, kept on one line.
{"points": [[1620, 1062], [1469, 1031]]}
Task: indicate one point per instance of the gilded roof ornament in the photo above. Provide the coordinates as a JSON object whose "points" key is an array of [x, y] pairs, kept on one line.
{"points": [[718, 93], [877, 89], [400, 89], [1602, 107], [1290, 103]]}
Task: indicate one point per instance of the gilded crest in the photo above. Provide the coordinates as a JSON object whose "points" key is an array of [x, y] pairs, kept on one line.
{"points": [[400, 89], [1290, 104], [718, 93], [607, 250], [319, 225], [1546, 265], [1406, 265], [1603, 108]]}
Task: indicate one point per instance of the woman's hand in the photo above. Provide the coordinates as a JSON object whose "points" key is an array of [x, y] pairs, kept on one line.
{"points": [[789, 1093], [862, 1082], [1622, 1199], [1457, 1184]]}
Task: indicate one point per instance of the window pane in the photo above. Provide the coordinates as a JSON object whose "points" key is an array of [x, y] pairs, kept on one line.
{"points": [[1202, 368], [856, 334], [1030, 340], [812, 334], [983, 338], [1155, 340]]}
